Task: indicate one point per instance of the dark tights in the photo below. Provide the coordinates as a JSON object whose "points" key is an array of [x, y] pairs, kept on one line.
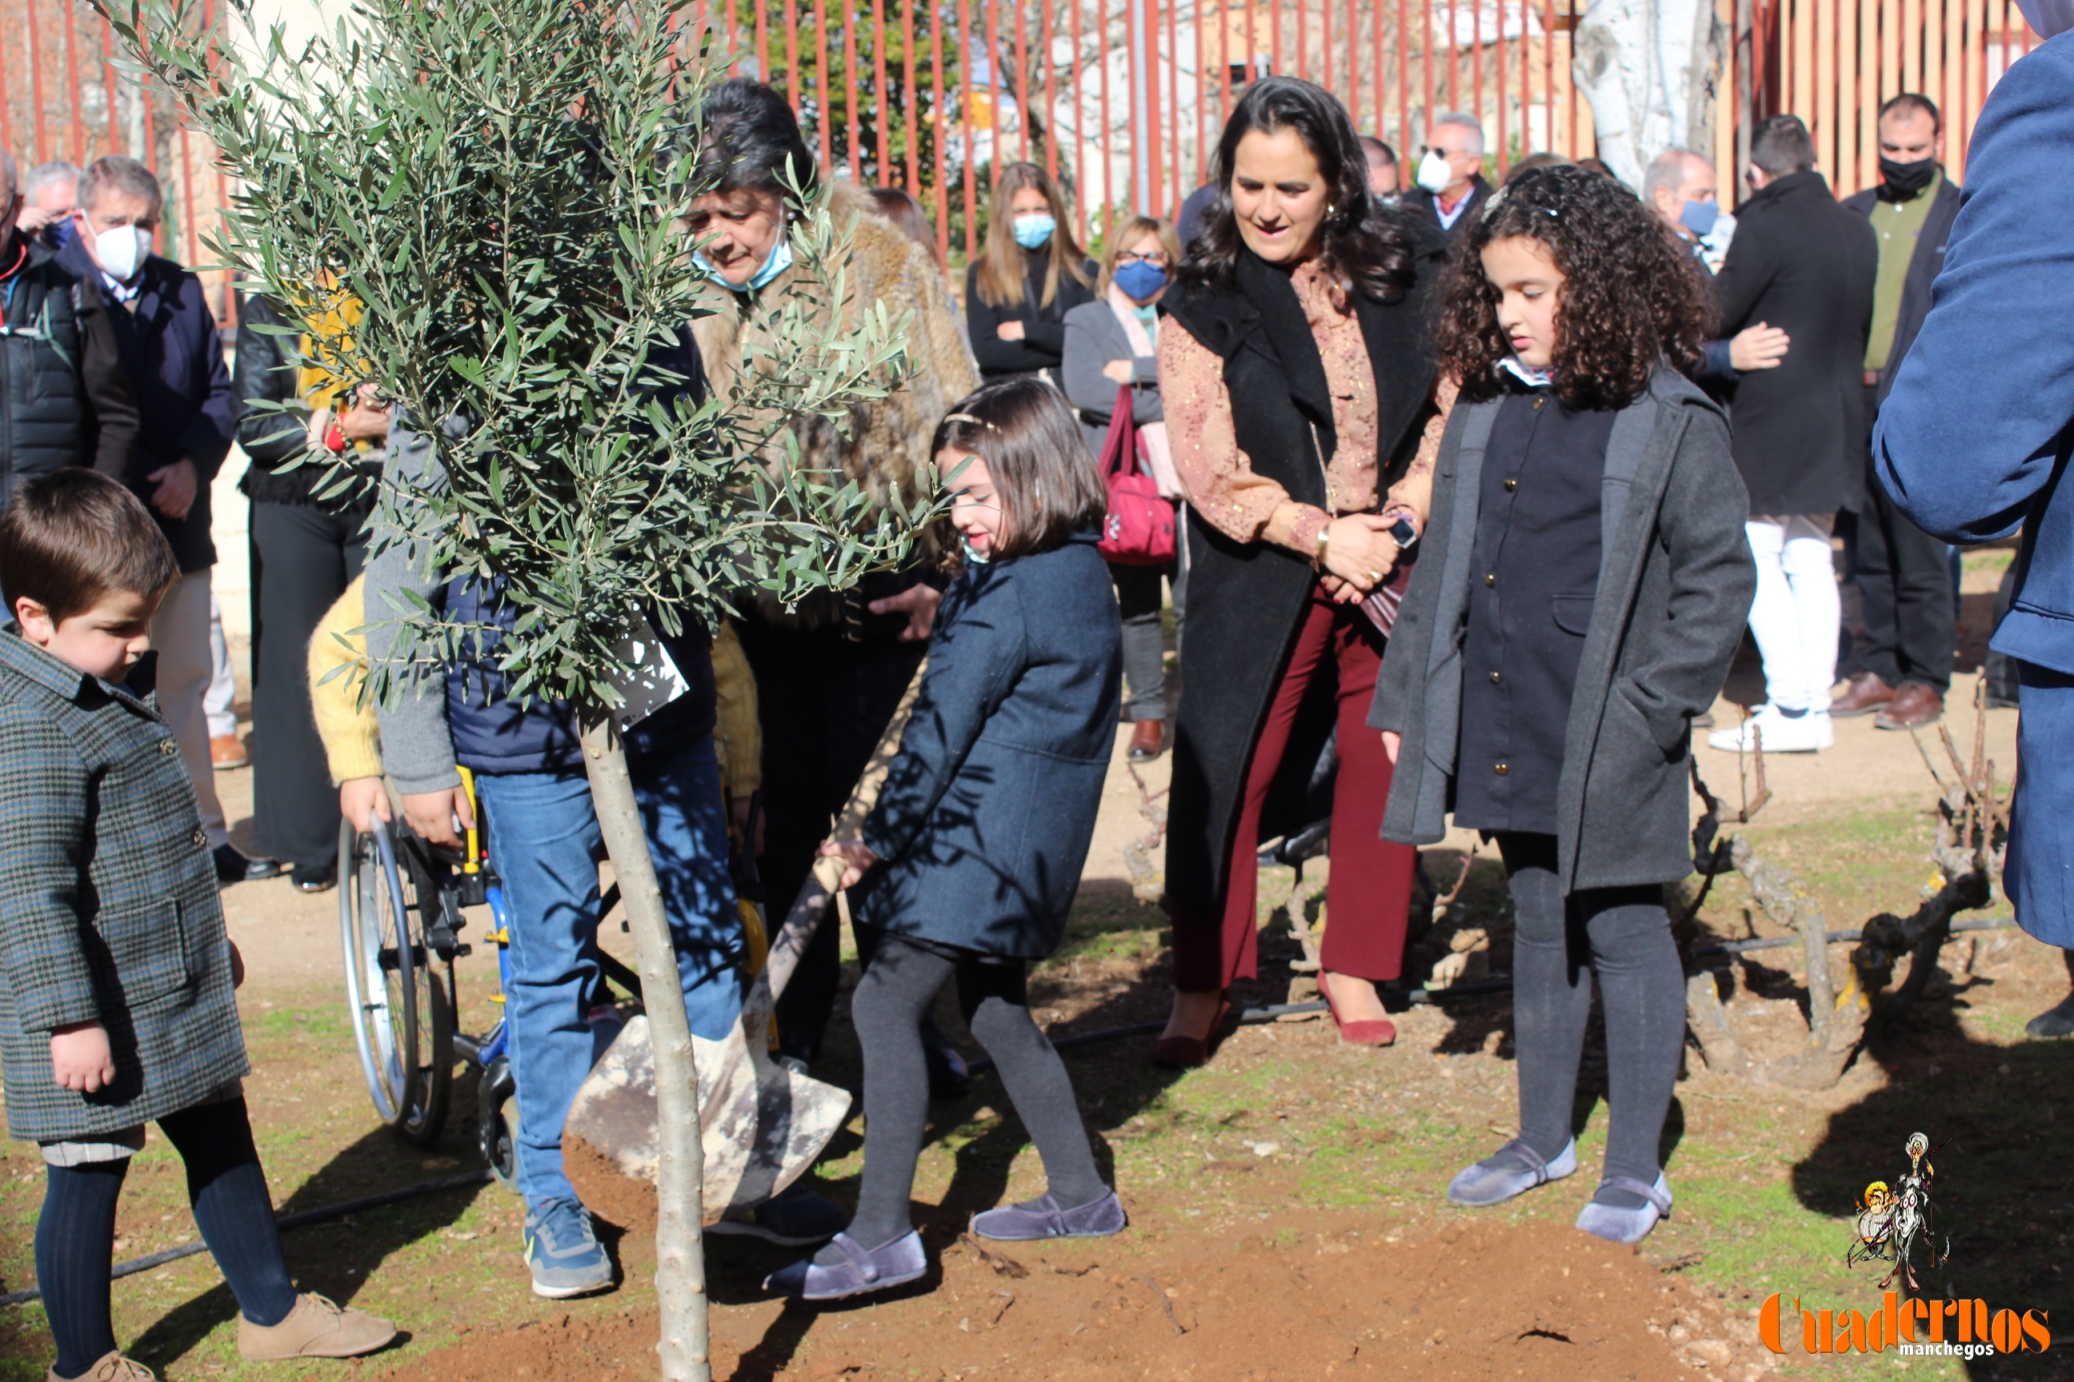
{"points": [[896, 991], [1624, 936], [75, 1235]]}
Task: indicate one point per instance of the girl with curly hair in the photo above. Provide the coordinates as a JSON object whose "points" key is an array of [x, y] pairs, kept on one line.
{"points": [[1585, 583]]}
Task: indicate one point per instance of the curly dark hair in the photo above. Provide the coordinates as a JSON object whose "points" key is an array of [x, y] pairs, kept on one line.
{"points": [[1633, 297], [1366, 248]]}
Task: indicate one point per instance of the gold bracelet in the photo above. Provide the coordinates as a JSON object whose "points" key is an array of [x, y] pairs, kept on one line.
{"points": [[1324, 536]]}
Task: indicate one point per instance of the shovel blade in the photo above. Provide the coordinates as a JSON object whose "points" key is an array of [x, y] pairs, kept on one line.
{"points": [[761, 1126]]}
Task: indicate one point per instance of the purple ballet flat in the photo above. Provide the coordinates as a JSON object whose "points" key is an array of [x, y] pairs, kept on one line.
{"points": [[865, 1270], [1042, 1218]]}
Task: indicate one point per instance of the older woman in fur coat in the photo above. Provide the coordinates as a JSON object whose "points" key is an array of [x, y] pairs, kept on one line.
{"points": [[829, 673]]}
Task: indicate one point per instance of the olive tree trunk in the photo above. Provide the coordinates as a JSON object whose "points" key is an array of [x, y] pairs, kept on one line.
{"points": [[680, 1263]]}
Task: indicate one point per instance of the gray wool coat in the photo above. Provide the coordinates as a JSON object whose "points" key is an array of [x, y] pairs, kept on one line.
{"points": [[1674, 592], [108, 904]]}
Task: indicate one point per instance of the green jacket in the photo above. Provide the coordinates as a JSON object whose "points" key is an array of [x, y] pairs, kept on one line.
{"points": [[108, 904]]}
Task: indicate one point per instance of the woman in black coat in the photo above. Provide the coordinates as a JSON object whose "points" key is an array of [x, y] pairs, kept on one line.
{"points": [[1306, 302], [306, 548], [1031, 273]]}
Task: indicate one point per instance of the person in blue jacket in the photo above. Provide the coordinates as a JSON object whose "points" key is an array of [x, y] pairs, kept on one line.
{"points": [[968, 863], [1974, 440]]}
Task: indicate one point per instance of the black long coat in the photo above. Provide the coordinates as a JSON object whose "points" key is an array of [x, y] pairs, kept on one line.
{"points": [[1246, 600], [1802, 263]]}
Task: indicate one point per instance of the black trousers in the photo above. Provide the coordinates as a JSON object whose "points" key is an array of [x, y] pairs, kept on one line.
{"points": [[823, 702], [1905, 578], [303, 558]]}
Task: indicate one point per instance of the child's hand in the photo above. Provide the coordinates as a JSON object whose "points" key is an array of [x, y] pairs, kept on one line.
{"points": [[80, 1058], [432, 815], [856, 857], [362, 801]]}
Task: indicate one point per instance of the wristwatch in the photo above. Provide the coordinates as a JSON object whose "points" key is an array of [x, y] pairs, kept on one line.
{"points": [[1404, 532]]}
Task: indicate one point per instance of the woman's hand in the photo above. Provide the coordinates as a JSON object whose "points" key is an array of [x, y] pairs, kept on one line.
{"points": [[433, 814], [363, 801], [1360, 551], [366, 420], [856, 856], [1392, 742], [919, 604], [1118, 371], [1010, 331]]}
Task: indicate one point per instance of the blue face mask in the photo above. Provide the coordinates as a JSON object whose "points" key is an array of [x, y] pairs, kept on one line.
{"points": [[1140, 280], [1699, 217], [59, 233], [779, 260], [1034, 231]]}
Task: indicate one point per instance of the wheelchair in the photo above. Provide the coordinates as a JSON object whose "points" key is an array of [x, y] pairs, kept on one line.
{"points": [[402, 905]]}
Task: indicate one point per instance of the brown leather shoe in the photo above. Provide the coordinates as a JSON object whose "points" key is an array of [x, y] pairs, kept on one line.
{"points": [[112, 1367], [1914, 704], [227, 751], [315, 1328], [1865, 693], [1148, 740]]}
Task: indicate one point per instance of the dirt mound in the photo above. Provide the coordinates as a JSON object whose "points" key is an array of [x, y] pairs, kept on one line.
{"points": [[1324, 1295]]}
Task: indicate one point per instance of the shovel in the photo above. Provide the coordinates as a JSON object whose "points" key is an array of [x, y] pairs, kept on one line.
{"points": [[761, 1125]]}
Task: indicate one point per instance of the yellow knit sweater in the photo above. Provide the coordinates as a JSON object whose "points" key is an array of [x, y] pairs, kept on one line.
{"points": [[352, 738]]}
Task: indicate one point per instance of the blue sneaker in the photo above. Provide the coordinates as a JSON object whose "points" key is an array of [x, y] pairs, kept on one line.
{"points": [[795, 1219], [562, 1252]]}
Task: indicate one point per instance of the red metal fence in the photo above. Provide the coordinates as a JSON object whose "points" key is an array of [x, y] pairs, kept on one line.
{"points": [[1124, 98]]}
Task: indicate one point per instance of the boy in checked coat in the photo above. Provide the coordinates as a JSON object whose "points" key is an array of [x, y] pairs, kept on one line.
{"points": [[116, 976]]}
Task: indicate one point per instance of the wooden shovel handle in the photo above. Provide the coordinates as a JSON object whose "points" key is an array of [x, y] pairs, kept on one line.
{"points": [[791, 940]]}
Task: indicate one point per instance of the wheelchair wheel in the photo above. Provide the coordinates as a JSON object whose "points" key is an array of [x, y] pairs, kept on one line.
{"points": [[400, 994]]}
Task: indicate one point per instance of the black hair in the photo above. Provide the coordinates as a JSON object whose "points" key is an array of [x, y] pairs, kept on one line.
{"points": [[1782, 146], [1365, 248], [1914, 100], [747, 139]]}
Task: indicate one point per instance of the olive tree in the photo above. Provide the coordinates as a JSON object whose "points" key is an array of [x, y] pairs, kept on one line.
{"points": [[498, 193]]}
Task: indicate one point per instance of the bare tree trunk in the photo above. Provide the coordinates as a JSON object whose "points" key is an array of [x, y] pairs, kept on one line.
{"points": [[680, 1264], [1648, 69]]}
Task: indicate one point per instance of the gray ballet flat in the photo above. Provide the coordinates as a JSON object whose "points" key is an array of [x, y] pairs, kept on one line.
{"points": [[1513, 1169], [1043, 1218], [1617, 1225], [877, 1269]]}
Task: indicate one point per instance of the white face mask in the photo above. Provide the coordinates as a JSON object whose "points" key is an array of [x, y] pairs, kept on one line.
{"points": [[2049, 17], [120, 249], [1435, 172]]}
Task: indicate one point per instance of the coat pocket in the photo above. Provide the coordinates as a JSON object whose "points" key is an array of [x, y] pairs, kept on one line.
{"points": [[1572, 613], [147, 952]]}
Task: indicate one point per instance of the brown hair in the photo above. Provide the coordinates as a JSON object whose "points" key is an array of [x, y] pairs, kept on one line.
{"points": [[1044, 475], [1632, 297], [73, 536], [1129, 232], [1003, 262], [907, 217]]}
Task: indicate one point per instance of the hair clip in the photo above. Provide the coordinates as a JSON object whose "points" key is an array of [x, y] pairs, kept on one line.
{"points": [[967, 417]]}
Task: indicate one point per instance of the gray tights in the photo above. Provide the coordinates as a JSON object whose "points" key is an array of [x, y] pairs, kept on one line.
{"points": [[1624, 936]]}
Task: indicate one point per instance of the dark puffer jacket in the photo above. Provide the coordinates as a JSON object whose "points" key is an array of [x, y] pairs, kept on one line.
{"points": [[63, 398]]}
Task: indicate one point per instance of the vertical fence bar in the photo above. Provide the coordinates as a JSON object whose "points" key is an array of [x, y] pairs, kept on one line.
{"points": [[1526, 73], [1911, 76], [76, 130], [1325, 73], [1404, 158], [1498, 69], [1303, 71], [1022, 79], [937, 121], [1172, 67], [881, 100], [994, 86], [1933, 51], [1252, 39], [1274, 36], [1353, 46], [108, 87], [1051, 96], [794, 88], [965, 116], [1828, 147], [910, 98], [1080, 141], [6, 95], [824, 89], [1134, 82], [1426, 62], [1868, 77], [1375, 44], [852, 125], [1202, 95], [1109, 202], [1475, 58], [1155, 183], [35, 75], [1954, 60]]}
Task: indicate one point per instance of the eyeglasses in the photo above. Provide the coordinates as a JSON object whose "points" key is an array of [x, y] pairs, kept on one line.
{"points": [[1158, 257]]}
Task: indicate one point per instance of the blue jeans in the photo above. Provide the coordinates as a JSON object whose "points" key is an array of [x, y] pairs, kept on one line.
{"points": [[545, 845]]}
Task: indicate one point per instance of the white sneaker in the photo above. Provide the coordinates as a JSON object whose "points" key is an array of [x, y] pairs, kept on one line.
{"points": [[1804, 734]]}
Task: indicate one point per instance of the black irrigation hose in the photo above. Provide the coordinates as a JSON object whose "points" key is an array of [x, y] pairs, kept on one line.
{"points": [[308, 1216]]}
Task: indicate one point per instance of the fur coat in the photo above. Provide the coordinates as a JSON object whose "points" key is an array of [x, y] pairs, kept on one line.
{"points": [[887, 439]]}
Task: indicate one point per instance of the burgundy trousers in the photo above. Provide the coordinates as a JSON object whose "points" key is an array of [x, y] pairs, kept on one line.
{"points": [[1369, 893]]}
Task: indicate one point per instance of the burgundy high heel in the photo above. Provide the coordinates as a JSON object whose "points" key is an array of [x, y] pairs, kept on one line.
{"points": [[1189, 1052], [1370, 1032]]}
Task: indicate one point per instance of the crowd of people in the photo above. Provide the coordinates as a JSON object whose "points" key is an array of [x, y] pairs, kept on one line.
{"points": [[1478, 485]]}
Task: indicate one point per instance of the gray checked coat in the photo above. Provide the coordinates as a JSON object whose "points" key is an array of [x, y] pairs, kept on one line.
{"points": [[1674, 591], [108, 905]]}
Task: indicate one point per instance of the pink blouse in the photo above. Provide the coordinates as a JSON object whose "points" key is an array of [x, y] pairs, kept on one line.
{"points": [[1221, 483]]}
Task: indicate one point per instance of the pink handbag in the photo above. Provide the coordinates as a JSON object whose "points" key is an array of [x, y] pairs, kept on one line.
{"points": [[1139, 527]]}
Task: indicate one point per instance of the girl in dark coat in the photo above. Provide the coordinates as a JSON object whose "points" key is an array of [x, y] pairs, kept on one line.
{"points": [[969, 862], [1583, 590], [1030, 274]]}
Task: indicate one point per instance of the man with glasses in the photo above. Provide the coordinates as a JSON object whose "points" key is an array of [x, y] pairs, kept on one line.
{"points": [[1451, 186]]}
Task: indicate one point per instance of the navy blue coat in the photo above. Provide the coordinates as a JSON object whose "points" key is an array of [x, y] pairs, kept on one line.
{"points": [[1974, 441], [984, 821], [173, 358]]}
